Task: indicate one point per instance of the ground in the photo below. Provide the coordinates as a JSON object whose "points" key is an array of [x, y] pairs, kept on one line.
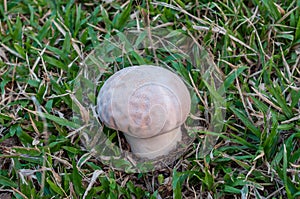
{"points": [[255, 47]]}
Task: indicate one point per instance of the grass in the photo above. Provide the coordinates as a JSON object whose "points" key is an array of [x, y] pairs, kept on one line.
{"points": [[255, 45]]}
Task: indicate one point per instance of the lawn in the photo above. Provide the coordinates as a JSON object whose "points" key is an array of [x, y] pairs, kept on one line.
{"points": [[254, 47]]}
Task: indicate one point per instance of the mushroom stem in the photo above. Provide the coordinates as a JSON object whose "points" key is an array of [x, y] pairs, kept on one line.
{"points": [[155, 146]]}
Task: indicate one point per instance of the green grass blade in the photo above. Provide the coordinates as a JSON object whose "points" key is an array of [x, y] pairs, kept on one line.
{"points": [[246, 121], [4, 181], [281, 101], [60, 121], [120, 20], [232, 76], [55, 187], [271, 7]]}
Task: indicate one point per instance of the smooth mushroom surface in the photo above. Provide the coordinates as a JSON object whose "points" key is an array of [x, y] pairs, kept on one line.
{"points": [[148, 104]]}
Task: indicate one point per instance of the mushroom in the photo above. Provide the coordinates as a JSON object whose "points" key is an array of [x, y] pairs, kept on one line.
{"points": [[149, 104]]}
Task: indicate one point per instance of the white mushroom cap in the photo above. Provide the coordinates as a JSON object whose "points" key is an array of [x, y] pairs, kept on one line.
{"points": [[144, 102]]}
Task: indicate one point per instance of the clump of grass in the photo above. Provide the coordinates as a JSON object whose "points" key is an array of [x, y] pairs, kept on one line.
{"points": [[255, 45]]}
